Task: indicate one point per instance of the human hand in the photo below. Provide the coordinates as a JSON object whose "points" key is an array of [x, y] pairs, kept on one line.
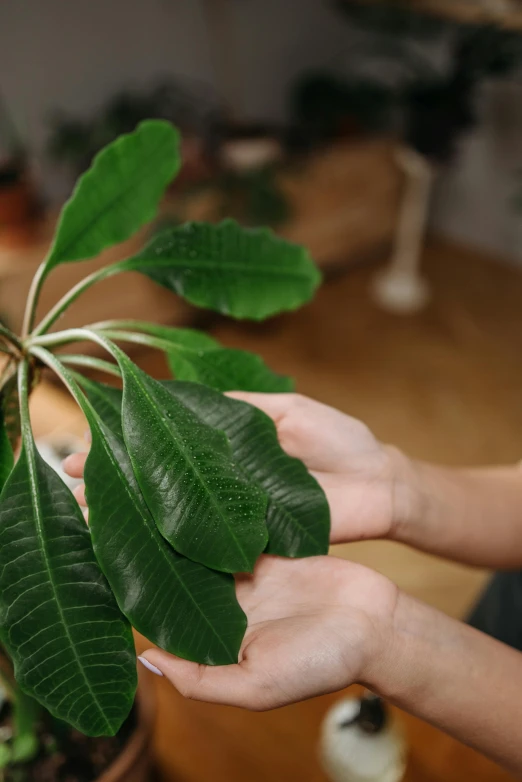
{"points": [[368, 485], [314, 626]]}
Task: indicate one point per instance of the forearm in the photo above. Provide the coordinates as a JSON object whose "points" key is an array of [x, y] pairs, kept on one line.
{"points": [[469, 515], [454, 677]]}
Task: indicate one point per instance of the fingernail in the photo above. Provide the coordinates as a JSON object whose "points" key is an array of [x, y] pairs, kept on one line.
{"points": [[150, 666], [64, 464], [88, 436]]}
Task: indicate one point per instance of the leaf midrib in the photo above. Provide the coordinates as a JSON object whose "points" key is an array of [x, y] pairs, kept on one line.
{"points": [[134, 264], [194, 468], [38, 517]]}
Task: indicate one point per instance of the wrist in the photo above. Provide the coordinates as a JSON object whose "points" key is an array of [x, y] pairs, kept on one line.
{"points": [[407, 497], [393, 672]]}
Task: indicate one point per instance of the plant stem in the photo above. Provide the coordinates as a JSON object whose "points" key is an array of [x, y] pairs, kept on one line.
{"points": [[7, 374], [11, 337], [66, 300], [71, 335], [32, 298], [91, 362], [96, 334]]}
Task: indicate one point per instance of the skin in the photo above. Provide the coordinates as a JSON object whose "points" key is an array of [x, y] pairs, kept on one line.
{"points": [[318, 625]]}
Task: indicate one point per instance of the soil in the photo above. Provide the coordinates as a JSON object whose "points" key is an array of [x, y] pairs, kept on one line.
{"points": [[67, 755]]}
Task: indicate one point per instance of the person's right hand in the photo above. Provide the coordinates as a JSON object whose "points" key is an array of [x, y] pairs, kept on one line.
{"points": [[367, 484]]}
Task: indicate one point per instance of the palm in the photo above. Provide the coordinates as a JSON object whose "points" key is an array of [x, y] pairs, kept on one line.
{"points": [[311, 630]]}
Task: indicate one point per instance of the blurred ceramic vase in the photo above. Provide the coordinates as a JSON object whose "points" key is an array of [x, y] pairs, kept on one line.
{"points": [[362, 742]]}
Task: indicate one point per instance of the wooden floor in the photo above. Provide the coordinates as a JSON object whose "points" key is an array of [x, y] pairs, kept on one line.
{"points": [[445, 385]]}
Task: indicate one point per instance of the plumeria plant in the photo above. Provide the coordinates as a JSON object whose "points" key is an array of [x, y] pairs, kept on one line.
{"points": [[186, 486]]}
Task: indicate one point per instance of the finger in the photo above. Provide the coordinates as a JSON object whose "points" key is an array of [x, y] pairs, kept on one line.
{"points": [[229, 685], [73, 465], [79, 495], [274, 405]]}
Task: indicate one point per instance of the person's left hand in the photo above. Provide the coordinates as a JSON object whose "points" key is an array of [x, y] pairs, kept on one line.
{"points": [[315, 626]]}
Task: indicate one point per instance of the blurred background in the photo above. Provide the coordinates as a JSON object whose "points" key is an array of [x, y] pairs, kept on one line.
{"points": [[387, 138]]}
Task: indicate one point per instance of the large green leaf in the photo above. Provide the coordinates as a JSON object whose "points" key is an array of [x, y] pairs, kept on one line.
{"points": [[118, 194], [180, 605], [194, 355], [242, 272], [6, 453], [298, 516], [200, 501], [71, 647]]}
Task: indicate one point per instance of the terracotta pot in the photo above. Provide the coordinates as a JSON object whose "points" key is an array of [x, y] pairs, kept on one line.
{"points": [[134, 764]]}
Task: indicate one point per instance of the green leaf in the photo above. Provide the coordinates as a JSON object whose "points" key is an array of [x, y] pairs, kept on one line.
{"points": [[118, 194], [226, 369], [72, 649], [105, 399], [242, 272], [180, 605], [199, 500], [6, 453], [298, 516], [194, 355]]}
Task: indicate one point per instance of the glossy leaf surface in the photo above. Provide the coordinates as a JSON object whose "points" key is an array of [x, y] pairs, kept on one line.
{"points": [[71, 647], [298, 516], [200, 501], [180, 605], [242, 272], [118, 194]]}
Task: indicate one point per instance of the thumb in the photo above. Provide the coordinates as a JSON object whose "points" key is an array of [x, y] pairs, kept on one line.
{"points": [[229, 685]]}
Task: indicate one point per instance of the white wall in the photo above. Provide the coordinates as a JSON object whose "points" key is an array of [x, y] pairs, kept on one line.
{"points": [[74, 54], [474, 197]]}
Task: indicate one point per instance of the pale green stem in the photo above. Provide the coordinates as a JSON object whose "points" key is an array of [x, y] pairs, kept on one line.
{"points": [[10, 337], [77, 335], [72, 335], [66, 300], [90, 362], [32, 298], [7, 374]]}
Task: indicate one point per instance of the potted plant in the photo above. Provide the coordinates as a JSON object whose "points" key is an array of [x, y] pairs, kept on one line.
{"points": [[185, 486]]}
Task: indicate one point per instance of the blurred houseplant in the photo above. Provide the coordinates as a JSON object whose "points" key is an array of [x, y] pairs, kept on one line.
{"points": [[185, 486]]}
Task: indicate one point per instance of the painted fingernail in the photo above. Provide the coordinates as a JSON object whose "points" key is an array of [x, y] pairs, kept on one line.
{"points": [[150, 666]]}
